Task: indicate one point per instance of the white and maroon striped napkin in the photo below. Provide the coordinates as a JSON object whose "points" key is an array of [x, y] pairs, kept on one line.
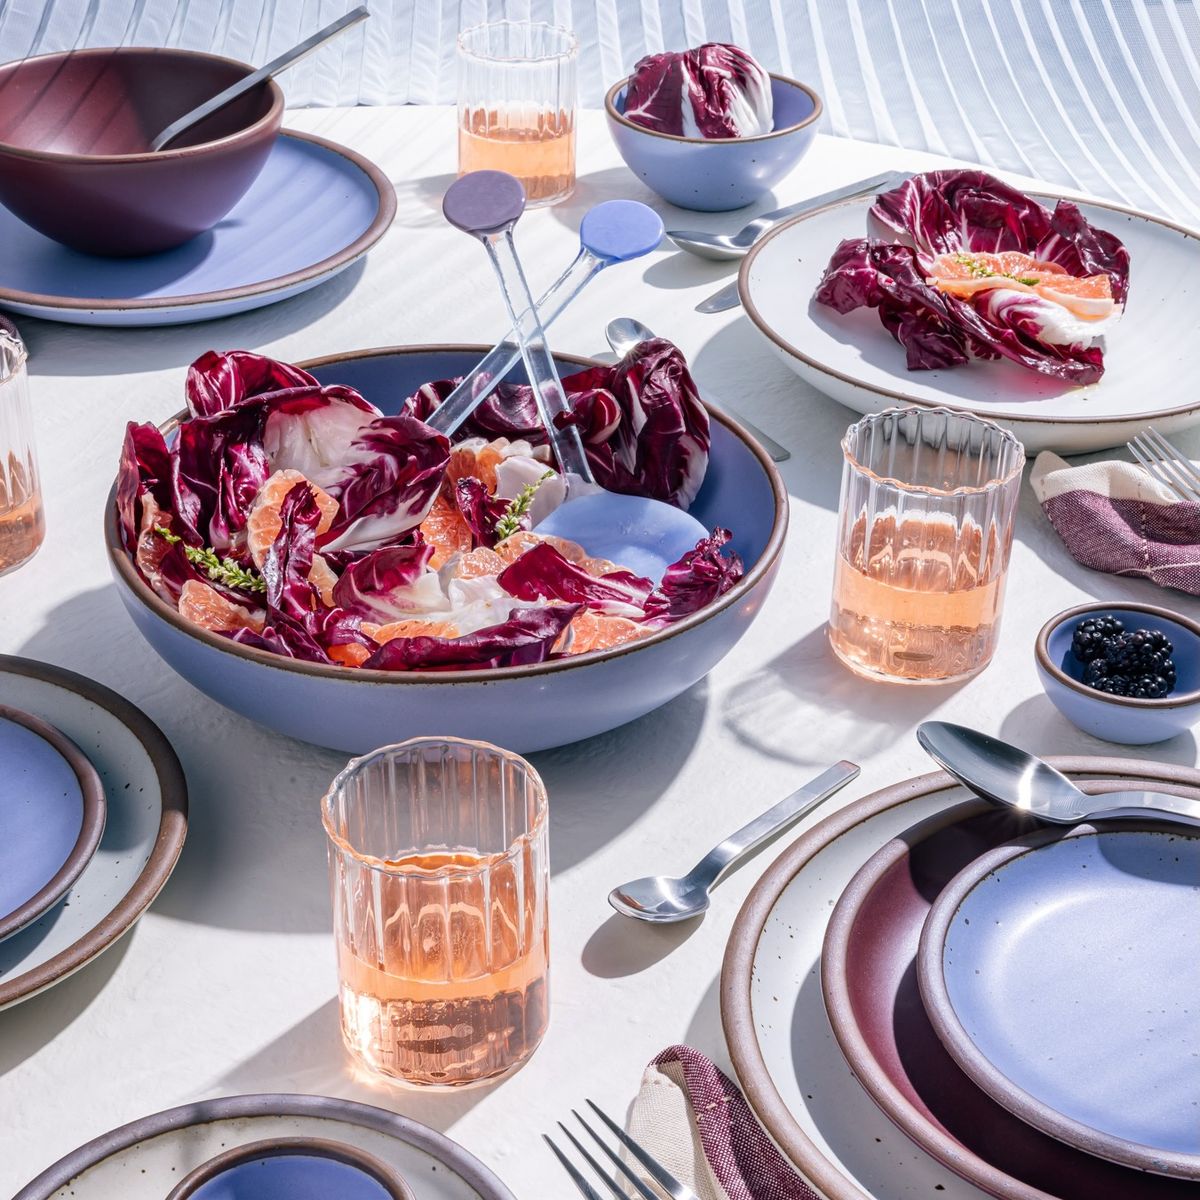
{"points": [[693, 1119], [1115, 517]]}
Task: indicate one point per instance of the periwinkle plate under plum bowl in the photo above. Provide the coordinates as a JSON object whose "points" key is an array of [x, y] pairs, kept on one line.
{"points": [[523, 708]]}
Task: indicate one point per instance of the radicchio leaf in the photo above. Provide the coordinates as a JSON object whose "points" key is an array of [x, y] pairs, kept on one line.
{"points": [[145, 469], [697, 579], [528, 636], [542, 573], [712, 91], [368, 586], [218, 383], [481, 510], [290, 556], [387, 483]]}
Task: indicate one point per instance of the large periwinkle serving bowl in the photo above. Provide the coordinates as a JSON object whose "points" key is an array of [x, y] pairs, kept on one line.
{"points": [[520, 708], [717, 174], [75, 157]]}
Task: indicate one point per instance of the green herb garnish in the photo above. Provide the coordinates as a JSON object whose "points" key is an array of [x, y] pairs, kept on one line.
{"points": [[220, 570], [518, 506]]}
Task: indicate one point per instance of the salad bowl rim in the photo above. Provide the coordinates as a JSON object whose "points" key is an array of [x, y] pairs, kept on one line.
{"points": [[905, 398], [610, 107], [123, 565]]}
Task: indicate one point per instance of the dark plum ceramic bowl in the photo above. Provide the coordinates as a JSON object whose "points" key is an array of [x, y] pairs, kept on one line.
{"points": [[1124, 719], [75, 158], [520, 708], [717, 174]]}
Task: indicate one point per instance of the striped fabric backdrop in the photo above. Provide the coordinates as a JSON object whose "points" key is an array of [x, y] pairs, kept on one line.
{"points": [[1103, 95]]}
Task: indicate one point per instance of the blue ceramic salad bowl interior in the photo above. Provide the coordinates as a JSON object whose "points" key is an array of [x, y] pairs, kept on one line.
{"points": [[521, 708], [718, 174], [1128, 720]]}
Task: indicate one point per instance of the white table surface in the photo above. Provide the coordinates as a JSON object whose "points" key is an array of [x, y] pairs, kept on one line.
{"points": [[227, 985]]}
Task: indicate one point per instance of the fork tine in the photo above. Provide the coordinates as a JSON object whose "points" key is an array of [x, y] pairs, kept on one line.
{"points": [[657, 1171], [614, 1184], [1148, 456], [642, 1189], [1180, 459], [1167, 461], [585, 1188]]}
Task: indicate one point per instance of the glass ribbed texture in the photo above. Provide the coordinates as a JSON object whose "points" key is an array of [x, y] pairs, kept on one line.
{"points": [[22, 524], [517, 96], [925, 529], [439, 872]]}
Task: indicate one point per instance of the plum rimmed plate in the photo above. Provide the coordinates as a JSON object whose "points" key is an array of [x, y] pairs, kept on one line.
{"points": [[1060, 972], [853, 359], [780, 1040], [143, 833], [52, 808], [315, 209], [869, 981], [142, 1160]]}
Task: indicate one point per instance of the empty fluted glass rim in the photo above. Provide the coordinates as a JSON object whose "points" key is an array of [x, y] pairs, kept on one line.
{"points": [[568, 43], [1006, 450]]}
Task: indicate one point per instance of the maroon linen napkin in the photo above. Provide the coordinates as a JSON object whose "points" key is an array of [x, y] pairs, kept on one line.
{"points": [[693, 1119], [1115, 517]]}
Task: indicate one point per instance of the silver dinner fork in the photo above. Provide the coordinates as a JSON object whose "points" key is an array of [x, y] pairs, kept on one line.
{"points": [[662, 1177], [1166, 464]]}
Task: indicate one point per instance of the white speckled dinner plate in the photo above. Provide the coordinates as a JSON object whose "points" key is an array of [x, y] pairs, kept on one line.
{"points": [[780, 1040], [1149, 368], [146, 1158], [143, 834]]}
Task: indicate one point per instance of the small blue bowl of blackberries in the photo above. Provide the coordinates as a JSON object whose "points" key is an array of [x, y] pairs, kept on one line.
{"points": [[1127, 673]]}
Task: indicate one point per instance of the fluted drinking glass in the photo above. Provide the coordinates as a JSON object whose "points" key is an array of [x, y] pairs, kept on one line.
{"points": [[928, 503], [439, 872], [517, 98], [22, 524]]}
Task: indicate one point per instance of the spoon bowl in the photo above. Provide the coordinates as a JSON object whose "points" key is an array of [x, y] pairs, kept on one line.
{"points": [[1009, 776], [661, 899]]}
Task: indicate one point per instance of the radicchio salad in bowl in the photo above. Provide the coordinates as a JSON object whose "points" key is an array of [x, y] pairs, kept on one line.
{"points": [[339, 571]]}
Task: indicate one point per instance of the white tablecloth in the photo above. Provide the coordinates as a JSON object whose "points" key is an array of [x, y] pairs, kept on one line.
{"points": [[227, 985]]}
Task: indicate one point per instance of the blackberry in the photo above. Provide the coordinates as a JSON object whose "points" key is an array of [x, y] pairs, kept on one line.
{"points": [[1091, 636], [1133, 654], [1095, 671]]}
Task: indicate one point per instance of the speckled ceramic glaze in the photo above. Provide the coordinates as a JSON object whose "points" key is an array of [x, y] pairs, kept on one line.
{"points": [[779, 1036], [75, 157], [138, 1161], [266, 249], [519, 708], [143, 833], [869, 981], [1123, 719], [1060, 973], [52, 809], [716, 174]]}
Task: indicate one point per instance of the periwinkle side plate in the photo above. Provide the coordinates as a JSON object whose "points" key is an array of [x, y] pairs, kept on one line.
{"points": [[1060, 971]]}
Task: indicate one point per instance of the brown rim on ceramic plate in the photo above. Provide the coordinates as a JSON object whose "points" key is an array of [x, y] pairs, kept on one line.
{"points": [[903, 398], [270, 117], [610, 107], [861, 1057], [737, 1014], [150, 599], [437, 1145], [387, 1177], [974, 1063], [172, 830], [1041, 649], [95, 804], [343, 257]]}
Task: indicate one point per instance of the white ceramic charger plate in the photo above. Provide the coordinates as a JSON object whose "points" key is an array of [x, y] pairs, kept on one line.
{"points": [[1149, 357], [146, 1158], [783, 1049]]}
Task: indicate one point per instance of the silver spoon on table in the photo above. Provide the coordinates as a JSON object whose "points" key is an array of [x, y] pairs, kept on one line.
{"points": [[624, 333], [1007, 775], [287, 59], [663, 898]]}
